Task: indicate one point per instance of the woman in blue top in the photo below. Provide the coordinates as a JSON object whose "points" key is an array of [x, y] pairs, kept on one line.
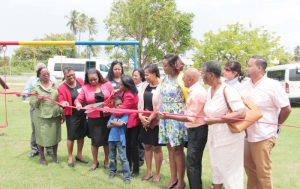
{"points": [[114, 75]]}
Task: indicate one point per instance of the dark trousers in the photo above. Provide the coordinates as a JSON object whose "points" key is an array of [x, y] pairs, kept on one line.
{"points": [[197, 141], [141, 149], [132, 148]]}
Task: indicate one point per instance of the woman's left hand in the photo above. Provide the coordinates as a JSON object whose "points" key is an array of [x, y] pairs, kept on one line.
{"points": [[162, 115], [211, 120], [63, 118]]}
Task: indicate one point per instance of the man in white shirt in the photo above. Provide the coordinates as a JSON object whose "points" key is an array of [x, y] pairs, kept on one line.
{"points": [[271, 98]]}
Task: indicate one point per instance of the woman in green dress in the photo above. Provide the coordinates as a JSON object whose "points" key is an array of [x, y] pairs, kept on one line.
{"points": [[47, 115]]}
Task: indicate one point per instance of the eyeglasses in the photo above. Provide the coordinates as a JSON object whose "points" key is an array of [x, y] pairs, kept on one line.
{"points": [[227, 69], [70, 75]]}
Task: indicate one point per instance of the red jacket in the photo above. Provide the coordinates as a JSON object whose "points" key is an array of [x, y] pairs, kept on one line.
{"points": [[130, 101], [87, 96], [65, 95]]}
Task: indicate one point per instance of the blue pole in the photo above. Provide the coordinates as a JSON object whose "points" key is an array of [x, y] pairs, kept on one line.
{"points": [[136, 56]]}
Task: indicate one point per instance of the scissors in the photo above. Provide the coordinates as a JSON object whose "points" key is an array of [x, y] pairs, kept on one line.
{"points": [[95, 105]]}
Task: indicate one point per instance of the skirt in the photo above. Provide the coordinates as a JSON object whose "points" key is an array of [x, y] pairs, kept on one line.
{"points": [[76, 125], [98, 131], [150, 137], [47, 131]]}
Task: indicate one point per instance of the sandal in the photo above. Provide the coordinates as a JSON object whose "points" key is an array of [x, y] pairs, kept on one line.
{"points": [[147, 178], [105, 165], [156, 179]]}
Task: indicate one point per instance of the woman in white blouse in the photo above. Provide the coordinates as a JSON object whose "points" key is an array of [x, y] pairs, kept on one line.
{"points": [[225, 148], [233, 74]]}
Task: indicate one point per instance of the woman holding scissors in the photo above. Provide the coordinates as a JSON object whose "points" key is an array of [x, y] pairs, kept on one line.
{"points": [[96, 89]]}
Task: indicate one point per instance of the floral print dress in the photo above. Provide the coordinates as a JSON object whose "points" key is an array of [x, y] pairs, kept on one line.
{"points": [[171, 131]]}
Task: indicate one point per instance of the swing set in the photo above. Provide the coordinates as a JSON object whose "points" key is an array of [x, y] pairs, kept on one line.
{"points": [[33, 44]]}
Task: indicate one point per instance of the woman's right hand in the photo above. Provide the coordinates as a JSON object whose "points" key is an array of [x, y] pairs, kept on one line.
{"points": [[64, 103], [144, 121], [78, 106]]}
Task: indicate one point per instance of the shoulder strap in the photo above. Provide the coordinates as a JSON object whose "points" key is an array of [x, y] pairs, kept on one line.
{"points": [[225, 97]]}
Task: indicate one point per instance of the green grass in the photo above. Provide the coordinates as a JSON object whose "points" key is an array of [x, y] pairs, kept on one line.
{"points": [[19, 171]]}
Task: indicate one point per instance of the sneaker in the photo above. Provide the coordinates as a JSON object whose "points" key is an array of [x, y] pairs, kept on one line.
{"points": [[133, 174], [33, 154], [127, 181], [111, 175]]}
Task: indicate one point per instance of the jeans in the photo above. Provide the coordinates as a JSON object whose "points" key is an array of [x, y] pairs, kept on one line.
{"points": [[197, 141], [113, 146]]}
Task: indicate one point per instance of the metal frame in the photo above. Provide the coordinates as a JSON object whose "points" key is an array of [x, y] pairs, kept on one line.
{"points": [[89, 43]]}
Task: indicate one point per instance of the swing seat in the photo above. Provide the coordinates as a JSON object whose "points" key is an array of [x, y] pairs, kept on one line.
{"points": [[3, 126]]}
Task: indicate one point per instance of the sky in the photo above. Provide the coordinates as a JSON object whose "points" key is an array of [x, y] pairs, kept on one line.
{"points": [[25, 20]]}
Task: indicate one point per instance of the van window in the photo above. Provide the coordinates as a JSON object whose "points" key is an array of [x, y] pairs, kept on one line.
{"points": [[90, 65], [103, 68], [77, 67], [294, 75], [276, 74]]}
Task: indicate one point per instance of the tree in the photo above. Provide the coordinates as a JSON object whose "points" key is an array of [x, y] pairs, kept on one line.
{"points": [[92, 27], [73, 21], [82, 24], [237, 42], [156, 24], [26, 56], [297, 53], [79, 23]]}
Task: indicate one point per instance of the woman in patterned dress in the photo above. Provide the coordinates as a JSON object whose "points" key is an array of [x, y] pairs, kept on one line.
{"points": [[172, 132]]}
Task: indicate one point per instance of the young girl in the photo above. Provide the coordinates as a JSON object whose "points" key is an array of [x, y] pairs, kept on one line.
{"points": [[117, 140]]}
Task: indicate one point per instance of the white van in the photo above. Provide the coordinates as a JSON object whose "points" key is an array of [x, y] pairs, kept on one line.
{"points": [[289, 76], [80, 65]]}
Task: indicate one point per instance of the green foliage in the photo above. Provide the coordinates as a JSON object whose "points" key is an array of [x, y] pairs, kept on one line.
{"points": [[156, 24], [297, 53], [27, 56], [237, 42]]}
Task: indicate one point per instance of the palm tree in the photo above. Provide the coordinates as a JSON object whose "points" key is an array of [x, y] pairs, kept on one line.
{"points": [[92, 27], [73, 22], [82, 24]]}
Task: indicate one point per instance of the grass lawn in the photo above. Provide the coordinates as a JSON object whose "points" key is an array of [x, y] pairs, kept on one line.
{"points": [[19, 171]]}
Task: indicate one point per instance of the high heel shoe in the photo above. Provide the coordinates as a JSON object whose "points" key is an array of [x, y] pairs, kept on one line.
{"points": [[94, 168], [71, 164], [105, 165], [81, 160], [173, 185]]}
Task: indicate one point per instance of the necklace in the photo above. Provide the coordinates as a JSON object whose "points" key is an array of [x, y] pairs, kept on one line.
{"points": [[46, 85], [71, 86]]}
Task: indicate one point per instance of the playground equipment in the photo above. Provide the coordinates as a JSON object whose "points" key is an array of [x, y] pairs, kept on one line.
{"points": [[122, 44]]}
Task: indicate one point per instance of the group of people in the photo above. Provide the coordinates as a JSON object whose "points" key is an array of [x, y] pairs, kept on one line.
{"points": [[180, 113]]}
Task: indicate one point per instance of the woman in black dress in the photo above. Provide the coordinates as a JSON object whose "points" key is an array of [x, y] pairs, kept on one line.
{"points": [[96, 89], [149, 132], [75, 120]]}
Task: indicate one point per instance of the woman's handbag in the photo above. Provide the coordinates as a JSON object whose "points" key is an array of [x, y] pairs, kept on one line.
{"points": [[253, 114]]}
